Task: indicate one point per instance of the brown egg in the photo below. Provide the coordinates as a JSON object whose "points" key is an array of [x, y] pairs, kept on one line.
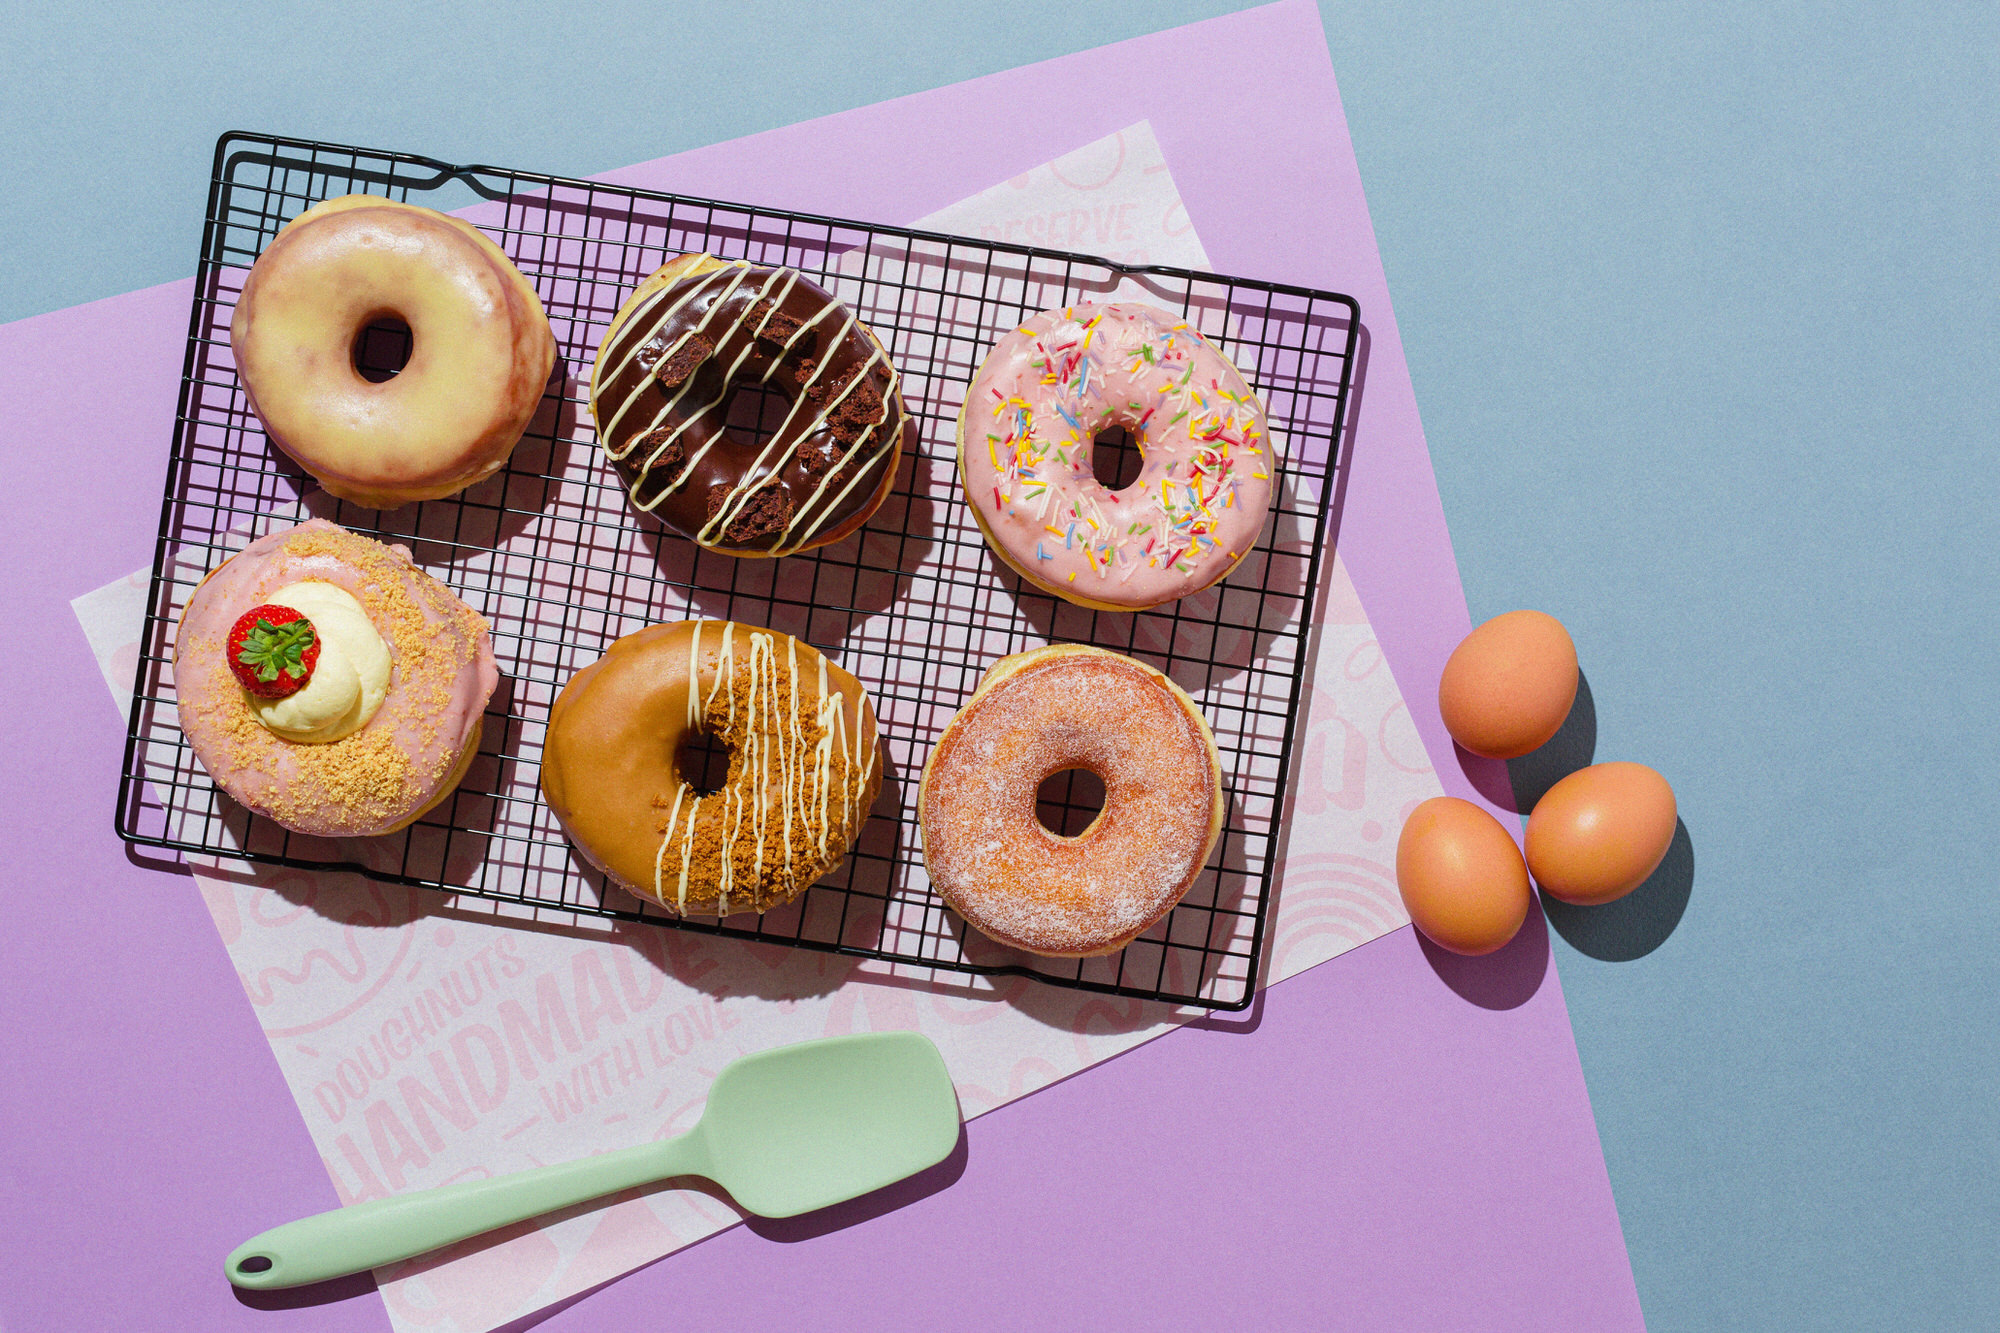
{"points": [[1509, 685], [1461, 875], [1599, 832]]}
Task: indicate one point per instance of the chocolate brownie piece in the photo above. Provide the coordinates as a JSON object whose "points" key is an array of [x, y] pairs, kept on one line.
{"points": [[765, 513]]}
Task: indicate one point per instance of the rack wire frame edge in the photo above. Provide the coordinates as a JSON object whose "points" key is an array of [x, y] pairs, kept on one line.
{"points": [[154, 659]]}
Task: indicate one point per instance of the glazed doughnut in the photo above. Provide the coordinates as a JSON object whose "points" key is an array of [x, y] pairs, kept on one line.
{"points": [[672, 361], [421, 659], [804, 765], [1025, 437], [480, 349], [1038, 713]]}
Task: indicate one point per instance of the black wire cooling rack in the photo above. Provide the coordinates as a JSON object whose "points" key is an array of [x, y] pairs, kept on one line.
{"points": [[550, 552]]}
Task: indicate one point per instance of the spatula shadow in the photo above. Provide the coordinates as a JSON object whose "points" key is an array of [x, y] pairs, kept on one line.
{"points": [[807, 1226], [788, 1229], [329, 1292], [823, 1221]]}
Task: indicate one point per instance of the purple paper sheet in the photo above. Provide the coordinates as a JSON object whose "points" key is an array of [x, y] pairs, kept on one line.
{"points": [[1394, 1139]]}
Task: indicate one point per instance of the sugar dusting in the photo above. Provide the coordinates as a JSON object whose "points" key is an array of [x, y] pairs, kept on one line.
{"points": [[995, 862]]}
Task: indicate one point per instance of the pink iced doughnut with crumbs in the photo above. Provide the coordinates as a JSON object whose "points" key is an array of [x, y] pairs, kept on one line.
{"points": [[409, 736]]}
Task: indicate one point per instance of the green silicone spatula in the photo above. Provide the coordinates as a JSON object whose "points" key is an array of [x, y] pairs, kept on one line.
{"points": [[785, 1132]]}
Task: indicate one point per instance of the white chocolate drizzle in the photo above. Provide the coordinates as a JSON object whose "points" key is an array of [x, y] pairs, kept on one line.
{"points": [[791, 782]]}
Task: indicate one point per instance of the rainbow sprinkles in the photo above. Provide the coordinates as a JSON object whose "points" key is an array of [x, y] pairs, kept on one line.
{"points": [[1041, 397]]}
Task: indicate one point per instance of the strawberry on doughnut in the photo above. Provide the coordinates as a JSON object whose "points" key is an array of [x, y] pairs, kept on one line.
{"points": [[273, 650], [385, 678]]}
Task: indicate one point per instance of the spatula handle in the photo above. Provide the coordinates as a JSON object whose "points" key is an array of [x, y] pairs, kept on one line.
{"points": [[382, 1231]]}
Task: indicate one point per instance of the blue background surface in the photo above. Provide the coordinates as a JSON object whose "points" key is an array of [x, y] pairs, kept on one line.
{"points": [[1700, 304]]}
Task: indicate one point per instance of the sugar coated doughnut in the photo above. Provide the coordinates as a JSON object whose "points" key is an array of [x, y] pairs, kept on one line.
{"points": [[804, 765], [480, 349], [1042, 712], [683, 345], [1025, 436], [390, 720]]}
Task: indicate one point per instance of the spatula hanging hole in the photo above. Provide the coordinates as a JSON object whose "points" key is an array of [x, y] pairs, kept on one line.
{"points": [[255, 1263]]}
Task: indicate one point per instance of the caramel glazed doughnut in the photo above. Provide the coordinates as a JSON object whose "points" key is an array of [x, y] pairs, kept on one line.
{"points": [[419, 670], [480, 350], [1041, 712], [660, 391], [804, 766]]}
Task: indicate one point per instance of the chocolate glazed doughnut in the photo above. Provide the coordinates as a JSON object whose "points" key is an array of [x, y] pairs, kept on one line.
{"points": [[679, 349]]}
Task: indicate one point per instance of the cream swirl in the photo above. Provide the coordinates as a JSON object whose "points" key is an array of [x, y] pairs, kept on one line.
{"points": [[350, 680]]}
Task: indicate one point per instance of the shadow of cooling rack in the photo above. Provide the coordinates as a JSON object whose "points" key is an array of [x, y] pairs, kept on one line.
{"points": [[550, 552]]}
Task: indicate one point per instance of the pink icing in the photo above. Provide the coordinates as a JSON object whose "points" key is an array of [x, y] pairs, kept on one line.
{"points": [[434, 739], [1048, 388]]}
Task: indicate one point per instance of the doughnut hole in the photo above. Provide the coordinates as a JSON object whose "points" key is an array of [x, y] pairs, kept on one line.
{"points": [[703, 762], [1116, 457], [755, 411], [382, 348], [1069, 801]]}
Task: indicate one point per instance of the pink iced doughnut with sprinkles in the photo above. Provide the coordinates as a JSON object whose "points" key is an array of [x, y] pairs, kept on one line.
{"points": [[1048, 389]]}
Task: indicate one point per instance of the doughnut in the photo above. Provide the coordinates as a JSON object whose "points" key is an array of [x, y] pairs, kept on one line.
{"points": [[804, 766], [420, 663], [678, 351], [1041, 712], [1025, 435], [480, 350]]}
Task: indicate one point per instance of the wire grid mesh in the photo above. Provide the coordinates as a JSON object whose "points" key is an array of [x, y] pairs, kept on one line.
{"points": [[914, 604]]}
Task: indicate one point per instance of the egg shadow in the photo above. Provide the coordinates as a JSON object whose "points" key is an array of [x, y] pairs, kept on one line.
{"points": [[1519, 784], [1507, 978], [1641, 921]]}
